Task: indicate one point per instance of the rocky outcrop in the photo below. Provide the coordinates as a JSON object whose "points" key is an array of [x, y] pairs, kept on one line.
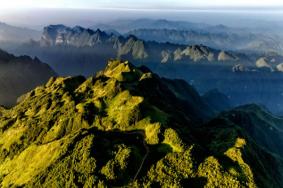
{"points": [[279, 67], [225, 56], [262, 63]]}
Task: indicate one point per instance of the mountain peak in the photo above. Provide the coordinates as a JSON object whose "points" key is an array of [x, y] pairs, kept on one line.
{"points": [[54, 29], [78, 29], [4, 56], [60, 35], [124, 127]]}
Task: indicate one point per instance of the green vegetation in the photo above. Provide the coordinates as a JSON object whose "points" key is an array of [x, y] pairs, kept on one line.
{"points": [[128, 127], [171, 138]]}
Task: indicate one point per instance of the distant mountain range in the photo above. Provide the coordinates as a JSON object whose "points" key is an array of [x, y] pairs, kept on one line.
{"points": [[60, 35], [188, 33], [58, 39], [20, 74], [136, 49], [241, 77], [127, 127], [221, 40], [9, 33], [124, 26], [177, 32]]}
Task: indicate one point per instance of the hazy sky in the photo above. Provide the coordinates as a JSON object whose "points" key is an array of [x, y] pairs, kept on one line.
{"points": [[38, 13], [134, 4]]}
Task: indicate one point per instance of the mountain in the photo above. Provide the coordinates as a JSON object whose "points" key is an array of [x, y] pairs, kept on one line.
{"points": [[265, 128], [127, 127], [60, 35], [219, 39], [80, 51], [262, 63], [248, 143], [279, 67], [124, 26], [242, 84], [72, 51], [15, 34], [189, 33], [20, 74], [217, 100], [270, 62]]}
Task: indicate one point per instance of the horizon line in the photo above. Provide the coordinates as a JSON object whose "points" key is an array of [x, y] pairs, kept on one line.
{"points": [[193, 8]]}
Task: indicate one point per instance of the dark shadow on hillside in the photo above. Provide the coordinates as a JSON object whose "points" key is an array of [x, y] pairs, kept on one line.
{"points": [[156, 153], [198, 182], [263, 164], [105, 142]]}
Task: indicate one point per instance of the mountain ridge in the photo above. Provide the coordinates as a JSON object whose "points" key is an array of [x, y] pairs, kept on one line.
{"points": [[68, 36], [226, 40], [19, 74], [126, 127], [130, 47], [14, 34]]}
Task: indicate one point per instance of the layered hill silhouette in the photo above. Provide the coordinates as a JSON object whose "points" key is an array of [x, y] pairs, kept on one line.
{"points": [[217, 100], [226, 38], [184, 32], [86, 45], [11, 36], [20, 74], [261, 125], [126, 126], [241, 86]]}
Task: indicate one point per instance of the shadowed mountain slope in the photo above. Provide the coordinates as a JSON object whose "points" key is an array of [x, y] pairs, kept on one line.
{"points": [[20, 74], [218, 101]]}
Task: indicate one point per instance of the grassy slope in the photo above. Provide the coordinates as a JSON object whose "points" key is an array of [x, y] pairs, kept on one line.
{"points": [[126, 126]]}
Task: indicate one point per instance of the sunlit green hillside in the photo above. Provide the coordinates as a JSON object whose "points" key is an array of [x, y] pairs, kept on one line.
{"points": [[128, 127]]}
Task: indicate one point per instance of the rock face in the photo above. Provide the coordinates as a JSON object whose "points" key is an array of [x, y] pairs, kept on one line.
{"points": [[279, 67], [199, 53], [225, 56], [18, 75], [61, 35], [262, 63], [134, 47], [128, 127]]}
